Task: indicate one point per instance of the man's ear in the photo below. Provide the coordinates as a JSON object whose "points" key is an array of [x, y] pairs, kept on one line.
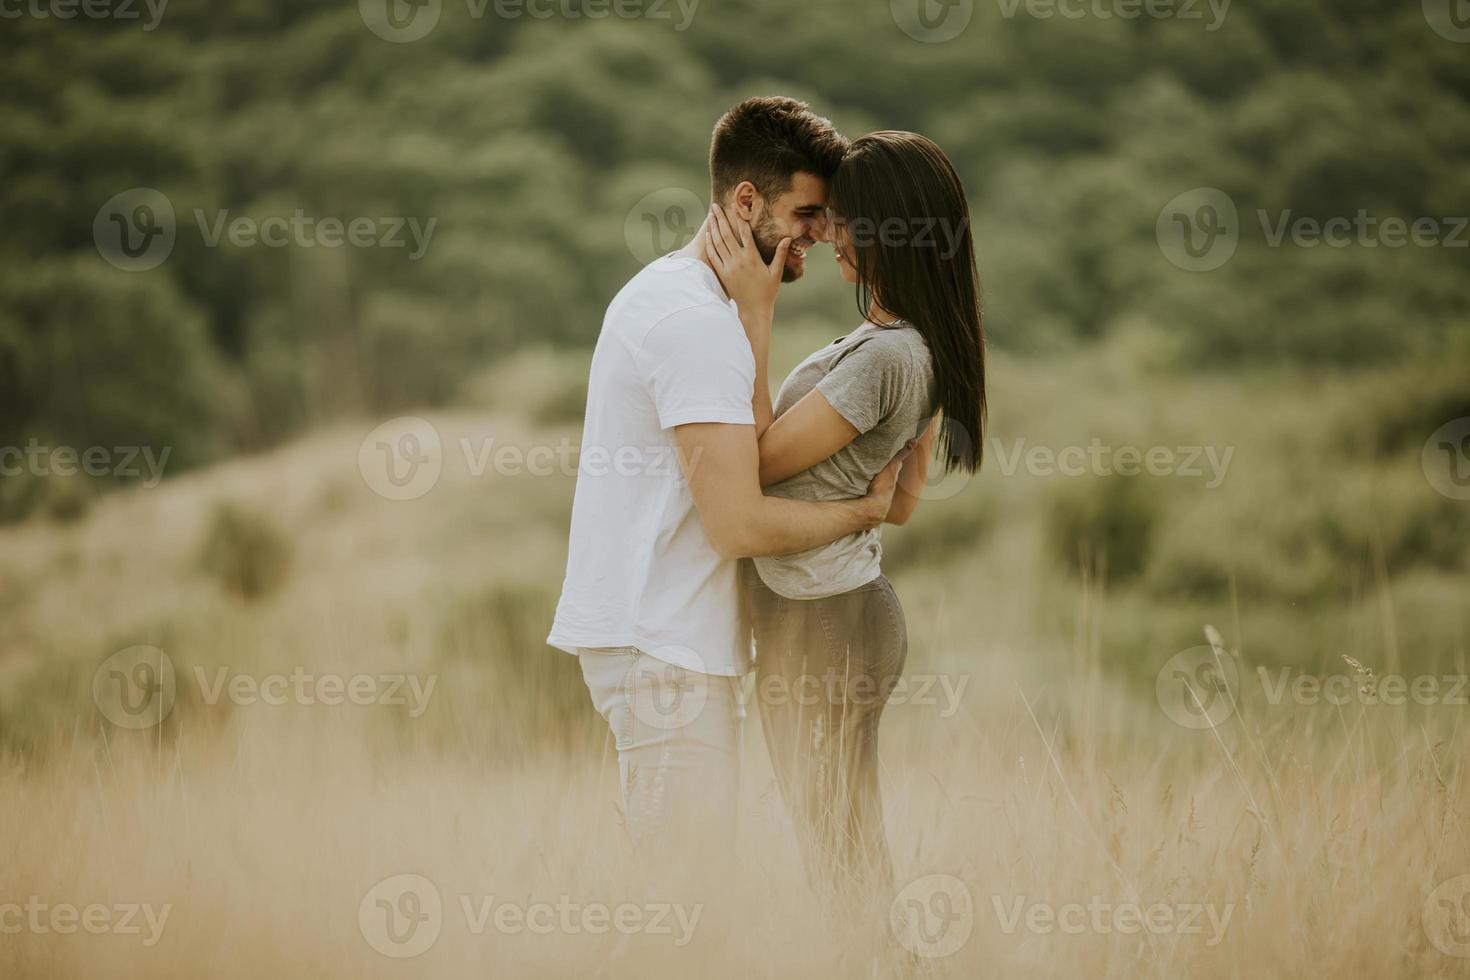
{"points": [[744, 199]]}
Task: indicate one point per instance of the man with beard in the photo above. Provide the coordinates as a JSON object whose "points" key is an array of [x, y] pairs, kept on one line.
{"points": [[668, 492]]}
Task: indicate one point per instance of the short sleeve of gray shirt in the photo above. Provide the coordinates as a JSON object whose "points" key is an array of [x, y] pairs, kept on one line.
{"points": [[867, 383]]}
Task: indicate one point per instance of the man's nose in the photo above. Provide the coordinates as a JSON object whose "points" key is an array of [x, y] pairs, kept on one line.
{"points": [[822, 230]]}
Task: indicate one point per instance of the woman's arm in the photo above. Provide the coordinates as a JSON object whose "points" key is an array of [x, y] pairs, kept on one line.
{"points": [[758, 332], [805, 435], [911, 478]]}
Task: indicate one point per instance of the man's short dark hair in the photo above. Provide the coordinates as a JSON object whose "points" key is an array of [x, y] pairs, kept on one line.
{"points": [[767, 141]]}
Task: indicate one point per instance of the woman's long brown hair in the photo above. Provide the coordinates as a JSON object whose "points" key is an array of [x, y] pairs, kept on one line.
{"points": [[906, 227]]}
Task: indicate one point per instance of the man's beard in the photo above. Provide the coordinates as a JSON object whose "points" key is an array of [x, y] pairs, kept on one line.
{"points": [[767, 237]]}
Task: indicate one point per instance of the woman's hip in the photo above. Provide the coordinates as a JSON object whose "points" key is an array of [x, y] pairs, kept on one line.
{"points": [[860, 632]]}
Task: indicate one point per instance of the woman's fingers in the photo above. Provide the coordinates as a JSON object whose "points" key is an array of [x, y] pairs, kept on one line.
{"points": [[742, 227], [731, 240], [716, 242], [778, 264]]}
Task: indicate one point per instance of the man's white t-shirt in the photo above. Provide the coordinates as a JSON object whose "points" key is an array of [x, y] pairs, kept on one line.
{"points": [[640, 570]]}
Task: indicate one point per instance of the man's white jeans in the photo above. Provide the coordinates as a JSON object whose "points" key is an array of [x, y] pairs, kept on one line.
{"points": [[677, 733]]}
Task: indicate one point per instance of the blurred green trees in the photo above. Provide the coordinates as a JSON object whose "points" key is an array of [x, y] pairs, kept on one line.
{"points": [[528, 141]]}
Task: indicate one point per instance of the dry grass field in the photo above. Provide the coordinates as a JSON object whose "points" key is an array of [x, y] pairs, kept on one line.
{"points": [[371, 766]]}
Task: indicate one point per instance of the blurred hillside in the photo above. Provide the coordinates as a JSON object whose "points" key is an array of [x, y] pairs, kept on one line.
{"points": [[525, 165], [295, 557]]}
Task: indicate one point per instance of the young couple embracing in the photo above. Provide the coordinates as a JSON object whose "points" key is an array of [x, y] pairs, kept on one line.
{"points": [[769, 527]]}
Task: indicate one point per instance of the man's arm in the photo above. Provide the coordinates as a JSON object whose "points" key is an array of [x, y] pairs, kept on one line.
{"points": [[722, 464]]}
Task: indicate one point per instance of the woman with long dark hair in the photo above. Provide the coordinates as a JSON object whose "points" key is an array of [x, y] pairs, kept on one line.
{"points": [[830, 635]]}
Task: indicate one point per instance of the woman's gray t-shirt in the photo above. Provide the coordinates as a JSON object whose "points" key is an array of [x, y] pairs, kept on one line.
{"points": [[882, 381]]}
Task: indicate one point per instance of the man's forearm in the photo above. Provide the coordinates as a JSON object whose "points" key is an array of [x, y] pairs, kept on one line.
{"points": [[782, 527]]}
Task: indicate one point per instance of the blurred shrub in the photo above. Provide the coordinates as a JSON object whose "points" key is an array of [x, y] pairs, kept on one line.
{"points": [[245, 552], [1399, 409], [1402, 520], [1202, 551], [60, 498], [94, 357], [1104, 524]]}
